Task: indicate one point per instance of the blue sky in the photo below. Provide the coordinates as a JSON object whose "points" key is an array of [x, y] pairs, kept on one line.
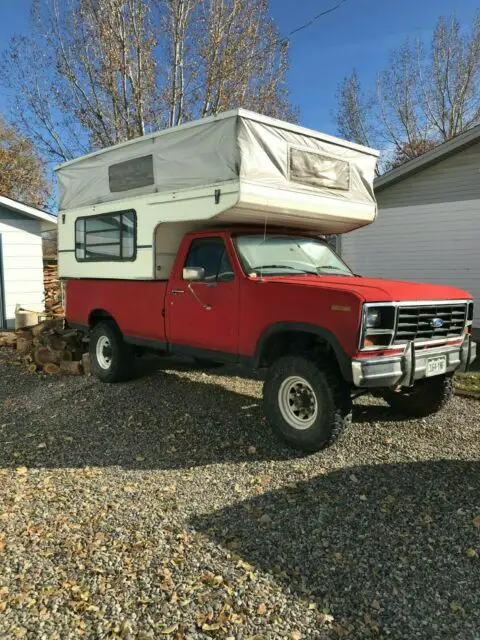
{"points": [[361, 33]]}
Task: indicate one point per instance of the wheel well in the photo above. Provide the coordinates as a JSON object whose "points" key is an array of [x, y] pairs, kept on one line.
{"points": [[292, 342], [100, 315]]}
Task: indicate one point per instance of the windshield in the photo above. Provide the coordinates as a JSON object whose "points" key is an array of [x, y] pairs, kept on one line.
{"points": [[287, 255]]}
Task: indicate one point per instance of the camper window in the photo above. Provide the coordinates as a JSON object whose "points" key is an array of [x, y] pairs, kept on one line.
{"points": [[131, 174], [110, 236], [317, 170]]}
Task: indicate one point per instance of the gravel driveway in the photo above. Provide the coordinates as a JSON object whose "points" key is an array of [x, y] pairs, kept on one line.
{"points": [[164, 508]]}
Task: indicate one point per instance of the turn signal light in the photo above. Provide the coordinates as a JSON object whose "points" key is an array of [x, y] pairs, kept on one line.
{"points": [[373, 341]]}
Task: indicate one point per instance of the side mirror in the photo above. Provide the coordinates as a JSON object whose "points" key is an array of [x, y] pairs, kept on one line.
{"points": [[194, 274]]}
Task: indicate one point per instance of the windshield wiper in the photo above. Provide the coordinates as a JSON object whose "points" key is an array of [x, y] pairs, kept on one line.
{"points": [[281, 266], [331, 267]]}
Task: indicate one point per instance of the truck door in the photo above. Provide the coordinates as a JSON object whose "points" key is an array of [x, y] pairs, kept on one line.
{"points": [[204, 315]]}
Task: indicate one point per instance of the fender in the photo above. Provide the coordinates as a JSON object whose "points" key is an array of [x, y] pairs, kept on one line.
{"points": [[343, 359]]}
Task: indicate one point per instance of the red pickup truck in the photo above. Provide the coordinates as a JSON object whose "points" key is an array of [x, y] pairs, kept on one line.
{"points": [[284, 301]]}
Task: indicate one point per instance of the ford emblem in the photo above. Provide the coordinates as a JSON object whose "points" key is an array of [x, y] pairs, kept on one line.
{"points": [[437, 323]]}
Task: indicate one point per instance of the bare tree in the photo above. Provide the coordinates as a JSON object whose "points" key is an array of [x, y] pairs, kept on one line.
{"points": [[424, 97], [354, 111], [22, 175], [222, 54], [96, 72]]}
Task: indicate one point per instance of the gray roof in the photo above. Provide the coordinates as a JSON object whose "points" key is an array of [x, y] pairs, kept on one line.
{"points": [[48, 220], [429, 158]]}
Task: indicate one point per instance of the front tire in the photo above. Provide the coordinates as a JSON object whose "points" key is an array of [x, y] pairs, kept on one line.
{"points": [[425, 398], [306, 404], [112, 359]]}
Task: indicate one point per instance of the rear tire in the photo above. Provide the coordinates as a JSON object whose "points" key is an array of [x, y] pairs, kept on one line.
{"points": [[425, 398], [306, 404], [111, 358]]}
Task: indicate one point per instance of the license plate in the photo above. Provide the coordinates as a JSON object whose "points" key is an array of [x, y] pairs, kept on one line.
{"points": [[436, 366]]}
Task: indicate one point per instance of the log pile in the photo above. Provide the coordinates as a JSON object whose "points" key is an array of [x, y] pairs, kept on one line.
{"points": [[49, 347], [53, 289]]}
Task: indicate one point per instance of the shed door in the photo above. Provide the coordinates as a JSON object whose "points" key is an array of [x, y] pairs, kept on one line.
{"points": [[3, 323]]}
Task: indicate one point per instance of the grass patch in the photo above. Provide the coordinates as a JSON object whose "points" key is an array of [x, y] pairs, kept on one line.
{"points": [[468, 382]]}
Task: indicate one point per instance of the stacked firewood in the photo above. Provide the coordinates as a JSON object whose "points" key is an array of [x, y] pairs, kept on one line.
{"points": [[53, 290], [49, 347]]}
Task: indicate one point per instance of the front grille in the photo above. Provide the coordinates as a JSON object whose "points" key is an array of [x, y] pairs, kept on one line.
{"points": [[420, 322]]}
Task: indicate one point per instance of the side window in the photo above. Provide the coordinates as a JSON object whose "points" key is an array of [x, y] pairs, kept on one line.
{"points": [[110, 236], [211, 254]]}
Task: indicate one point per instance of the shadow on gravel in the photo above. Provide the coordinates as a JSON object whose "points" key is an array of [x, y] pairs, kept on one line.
{"points": [[376, 413], [160, 420], [381, 546]]}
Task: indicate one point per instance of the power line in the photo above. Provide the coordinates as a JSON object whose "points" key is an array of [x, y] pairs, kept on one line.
{"points": [[314, 19]]}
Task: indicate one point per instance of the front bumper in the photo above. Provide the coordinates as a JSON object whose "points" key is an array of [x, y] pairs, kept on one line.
{"points": [[405, 369]]}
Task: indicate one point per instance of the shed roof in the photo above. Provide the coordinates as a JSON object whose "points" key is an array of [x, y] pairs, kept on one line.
{"points": [[48, 220], [439, 153]]}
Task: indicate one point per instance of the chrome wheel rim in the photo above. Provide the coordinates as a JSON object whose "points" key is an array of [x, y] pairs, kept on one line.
{"points": [[104, 352], [298, 402]]}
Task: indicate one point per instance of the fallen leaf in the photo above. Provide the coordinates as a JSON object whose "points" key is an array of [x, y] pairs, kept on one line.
{"points": [[237, 488], [375, 605], [471, 553], [262, 609], [295, 635], [211, 627], [42, 445], [476, 521], [265, 519], [129, 489], [140, 458], [363, 498], [324, 618], [169, 630], [251, 450], [21, 471], [456, 606]]}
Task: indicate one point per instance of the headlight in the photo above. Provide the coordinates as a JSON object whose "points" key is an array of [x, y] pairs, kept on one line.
{"points": [[373, 318]]}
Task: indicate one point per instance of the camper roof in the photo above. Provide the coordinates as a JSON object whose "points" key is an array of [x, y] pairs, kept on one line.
{"points": [[232, 113]]}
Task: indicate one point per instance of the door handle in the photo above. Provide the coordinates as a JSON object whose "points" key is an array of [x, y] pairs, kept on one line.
{"points": [[177, 292]]}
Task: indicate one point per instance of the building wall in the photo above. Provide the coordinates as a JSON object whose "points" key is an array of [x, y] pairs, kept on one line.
{"points": [[427, 229], [452, 180], [22, 263]]}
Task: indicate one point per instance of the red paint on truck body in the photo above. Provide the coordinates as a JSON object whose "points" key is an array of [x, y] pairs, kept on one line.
{"points": [[136, 305], [232, 316]]}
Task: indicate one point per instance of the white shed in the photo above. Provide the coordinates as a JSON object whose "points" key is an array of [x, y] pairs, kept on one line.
{"points": [[21, 260], [428, 223]]}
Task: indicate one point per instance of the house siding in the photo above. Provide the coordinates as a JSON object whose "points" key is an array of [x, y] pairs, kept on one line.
{"points": [[437, 243], [454, 179], [22, 263], [427, 229]]}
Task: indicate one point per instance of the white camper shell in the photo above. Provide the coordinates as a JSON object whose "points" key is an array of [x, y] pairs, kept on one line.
{"points": [[234, 168]]}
